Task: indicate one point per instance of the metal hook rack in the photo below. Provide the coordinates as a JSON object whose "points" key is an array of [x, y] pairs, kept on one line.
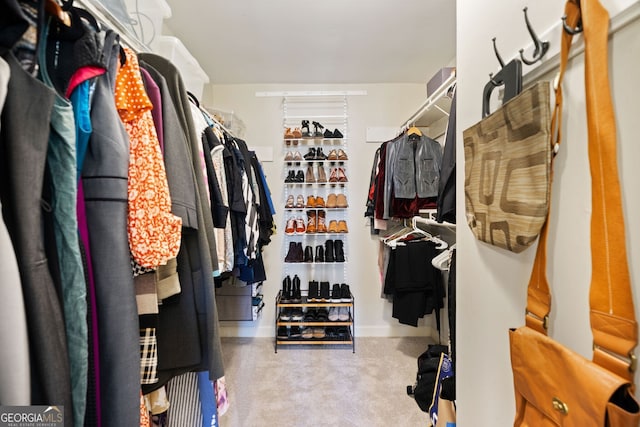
{"points": [[540, 47]]}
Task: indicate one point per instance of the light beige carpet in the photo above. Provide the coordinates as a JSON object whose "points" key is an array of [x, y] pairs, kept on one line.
{"points": [[322, 387]]}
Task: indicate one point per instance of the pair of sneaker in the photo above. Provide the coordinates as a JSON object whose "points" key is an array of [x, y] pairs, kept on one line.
{"points": [[339, 314], [291, 315]]}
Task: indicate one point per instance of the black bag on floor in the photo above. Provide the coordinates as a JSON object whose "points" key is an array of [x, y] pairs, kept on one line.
{"points": [[427, 376]]}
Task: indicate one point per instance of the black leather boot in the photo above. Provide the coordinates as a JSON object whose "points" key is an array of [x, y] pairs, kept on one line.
{"points": [[319, 254], [313, 291], [291, 176], [339, 250], [299, 252], [292, 253], [308, 254], [325, 296], [286, 290], [328, 251], [296, 294]]}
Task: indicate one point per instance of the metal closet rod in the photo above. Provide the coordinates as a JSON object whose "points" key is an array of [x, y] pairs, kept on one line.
{"points": [[104, 16]]}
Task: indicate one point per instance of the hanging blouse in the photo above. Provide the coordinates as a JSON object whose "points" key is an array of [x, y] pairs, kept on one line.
{"points": [[154, 232]]}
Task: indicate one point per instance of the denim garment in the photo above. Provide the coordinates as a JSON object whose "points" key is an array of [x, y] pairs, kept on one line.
{"points": [[61, 162]]}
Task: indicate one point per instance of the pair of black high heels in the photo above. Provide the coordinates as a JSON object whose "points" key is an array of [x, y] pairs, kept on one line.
{"points": [[306, 131]]}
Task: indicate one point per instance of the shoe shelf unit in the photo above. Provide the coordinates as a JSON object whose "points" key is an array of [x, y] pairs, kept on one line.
{"points": [[306, 322], [315, 179]]}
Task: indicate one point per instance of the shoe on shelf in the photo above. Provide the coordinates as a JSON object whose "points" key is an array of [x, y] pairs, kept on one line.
{"points": [[332, 333], [325, 295], [329, 255], [288, 134], [307, 333], [292, 254], [290, 228], [335, 293], [300, 227], [333, 314], [300, 201], [319, 202], [311, 155], [321, 222], [318, 332], [310, 176], [308, 254], [288, 157], [338, 248], [296, 293], [319, 254], [333, 176], [311, 222], [310, 315], [343, 333], [345, 293], [342, 177], [322, 175], [333, 155], [332, 201], [322, 315], [299, 176], [327, 134], [317, 129], [291, 177], [333, 226], [313, 293], [297, 133], [295, 332], [342, 155], [311, 201], [342, 226], [297, 157], [343, 314], [289, 204], [285, 296], [320, 154], [285, 314], [341, 201], [305, 129], [297, 315], [283, 333], [337, 134]]}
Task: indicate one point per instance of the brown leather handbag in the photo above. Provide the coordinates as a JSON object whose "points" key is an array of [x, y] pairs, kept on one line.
{"points": [[555, 386]]}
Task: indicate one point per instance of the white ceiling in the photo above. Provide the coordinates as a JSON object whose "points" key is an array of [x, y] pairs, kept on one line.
{"points": [[320, 41]]}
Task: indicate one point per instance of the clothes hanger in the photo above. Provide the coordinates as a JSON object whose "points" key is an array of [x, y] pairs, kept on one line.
{"points": [[53, 9], [413, 130]]}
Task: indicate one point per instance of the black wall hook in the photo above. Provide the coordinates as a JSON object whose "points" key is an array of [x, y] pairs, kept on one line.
{"points": [[540, 47], [568, 29], [495, 49]]}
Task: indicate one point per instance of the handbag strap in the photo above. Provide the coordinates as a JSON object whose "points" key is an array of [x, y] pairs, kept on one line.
{"points": [[612, 312]]}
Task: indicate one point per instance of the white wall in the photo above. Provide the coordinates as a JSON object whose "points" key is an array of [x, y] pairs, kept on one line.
{"points": [[384, 105], [492, 282]]}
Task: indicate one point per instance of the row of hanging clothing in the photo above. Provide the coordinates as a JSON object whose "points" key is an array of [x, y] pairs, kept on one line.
{"points": [[413, 172], [122, 201]]}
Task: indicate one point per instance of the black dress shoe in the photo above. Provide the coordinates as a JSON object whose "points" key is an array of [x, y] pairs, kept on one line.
{"points": [[319, 254], [337, 134], [328, 134]]}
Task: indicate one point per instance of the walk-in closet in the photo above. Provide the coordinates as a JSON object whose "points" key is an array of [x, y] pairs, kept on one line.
{"points": [[294, 213]]}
